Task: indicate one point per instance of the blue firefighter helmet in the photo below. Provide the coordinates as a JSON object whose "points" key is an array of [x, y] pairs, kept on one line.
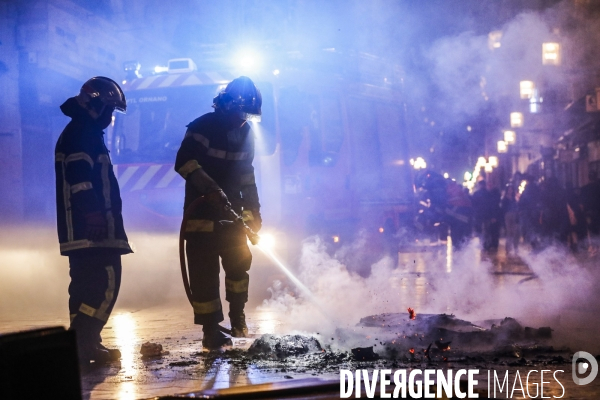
{"points": [[242, 96]]}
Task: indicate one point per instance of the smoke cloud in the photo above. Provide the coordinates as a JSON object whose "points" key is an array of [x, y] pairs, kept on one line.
{"points": [[560, 295]]}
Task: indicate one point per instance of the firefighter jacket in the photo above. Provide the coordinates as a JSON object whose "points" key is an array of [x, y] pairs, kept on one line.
{"points": [[226, 155], [85, 183]]}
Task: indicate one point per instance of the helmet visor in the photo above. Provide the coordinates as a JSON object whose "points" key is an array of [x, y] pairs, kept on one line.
{"points": [[250, 117], [121, 108], [117, 102]]}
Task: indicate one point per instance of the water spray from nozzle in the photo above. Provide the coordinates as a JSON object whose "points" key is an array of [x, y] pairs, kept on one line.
{"points": [[306, 291]]}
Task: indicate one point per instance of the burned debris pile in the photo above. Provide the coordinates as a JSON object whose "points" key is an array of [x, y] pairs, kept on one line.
{"points": [[388, 341], [151, 349], [280, 347], [364, 354], [403, 337]]}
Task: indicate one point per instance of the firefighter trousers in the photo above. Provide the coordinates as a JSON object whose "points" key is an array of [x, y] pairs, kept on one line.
{"points": [[93, 291], [204, 250]]}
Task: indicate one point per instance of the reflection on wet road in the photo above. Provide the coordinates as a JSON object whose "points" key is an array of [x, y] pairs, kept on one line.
{"points": [[126, 340]]}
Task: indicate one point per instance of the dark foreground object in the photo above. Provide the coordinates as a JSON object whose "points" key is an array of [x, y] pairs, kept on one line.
{"points": [[298, 389], [312, 388], [39, 364]]}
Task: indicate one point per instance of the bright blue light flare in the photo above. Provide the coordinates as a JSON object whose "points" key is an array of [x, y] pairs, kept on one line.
{"points": [[248, 60]]}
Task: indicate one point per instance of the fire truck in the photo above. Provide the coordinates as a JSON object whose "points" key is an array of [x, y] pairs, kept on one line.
{"points": [[331, 148]]}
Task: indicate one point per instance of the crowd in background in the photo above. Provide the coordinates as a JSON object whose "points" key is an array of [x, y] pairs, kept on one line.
{"points": [[540, 213]]}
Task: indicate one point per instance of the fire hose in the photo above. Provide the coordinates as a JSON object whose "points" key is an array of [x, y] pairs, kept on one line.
{"points": [[236, 219]]}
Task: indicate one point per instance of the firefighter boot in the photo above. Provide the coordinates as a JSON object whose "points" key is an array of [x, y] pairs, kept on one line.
{"points": [[99, 355], [238, 322], [213, 338], [113, 354]]}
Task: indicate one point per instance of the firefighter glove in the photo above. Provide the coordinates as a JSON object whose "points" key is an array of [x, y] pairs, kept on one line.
{"points": [[95, 226], [217, 199], [202, 182], [253, 219]]}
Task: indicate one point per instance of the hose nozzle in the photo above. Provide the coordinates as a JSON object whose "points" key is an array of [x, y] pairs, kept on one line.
{"points": [[252, 236]]}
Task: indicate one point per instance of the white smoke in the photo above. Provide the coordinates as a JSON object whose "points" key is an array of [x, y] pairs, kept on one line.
{"points": [[470, 75], [560, 294]]}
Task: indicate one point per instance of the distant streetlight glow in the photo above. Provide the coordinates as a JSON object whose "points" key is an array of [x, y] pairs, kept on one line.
{"points": [[494, 38], [522, 186], [488, 164], [502, 147], [419, 163], [551, 53], [516, 119], [446, 176], [535, 102], [527, 88], [510, 137]]}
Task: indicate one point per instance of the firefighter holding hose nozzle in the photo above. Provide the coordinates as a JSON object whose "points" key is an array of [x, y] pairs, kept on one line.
{"points": [[215, 159]]}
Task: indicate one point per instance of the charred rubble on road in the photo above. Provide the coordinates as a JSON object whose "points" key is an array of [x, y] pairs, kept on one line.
{"points": [[390, 341]]}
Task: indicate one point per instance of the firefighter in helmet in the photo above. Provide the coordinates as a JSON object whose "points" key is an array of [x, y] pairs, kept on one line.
{"points": [[89, 221], [215, 159]]}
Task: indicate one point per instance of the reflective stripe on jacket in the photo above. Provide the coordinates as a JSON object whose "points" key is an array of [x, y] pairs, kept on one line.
{"points": [[226, 155]]}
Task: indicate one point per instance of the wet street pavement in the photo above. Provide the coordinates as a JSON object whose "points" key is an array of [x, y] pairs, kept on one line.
{"points": [[187, 369], [421, 279]]}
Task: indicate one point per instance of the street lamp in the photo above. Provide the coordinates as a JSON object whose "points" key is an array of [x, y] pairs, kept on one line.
{"points": [[510, 137], [516, 119], [493, 161], [502, 147], [527, 88]]}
